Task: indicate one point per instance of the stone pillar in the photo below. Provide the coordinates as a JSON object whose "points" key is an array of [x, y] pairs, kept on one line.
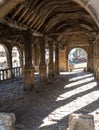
{"points": [[56, 58], [51, 64], [62, 59], [7, 121], [94, 55], [28, 69], [88, 59], [42, 65], [10, 63], [81, 122], [21, 59], [66, 58], [36, 57], [97, 60], [91, 59]]}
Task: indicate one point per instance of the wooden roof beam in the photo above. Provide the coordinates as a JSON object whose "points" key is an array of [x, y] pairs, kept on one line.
{"points": [[7, 6], [14, 24], [20, 7]]}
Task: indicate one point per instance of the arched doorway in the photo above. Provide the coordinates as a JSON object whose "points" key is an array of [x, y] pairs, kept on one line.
{"points": [[3, 57], [77, 59], [16, 57]]}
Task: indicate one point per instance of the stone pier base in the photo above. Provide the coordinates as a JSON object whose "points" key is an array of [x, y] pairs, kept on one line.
{"points": [[28, 79], [51, 70], [7, 121], [81, 122], [42, 74]]}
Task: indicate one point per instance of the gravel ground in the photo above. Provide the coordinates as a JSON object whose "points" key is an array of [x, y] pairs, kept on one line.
{"points": [[48, 107]]}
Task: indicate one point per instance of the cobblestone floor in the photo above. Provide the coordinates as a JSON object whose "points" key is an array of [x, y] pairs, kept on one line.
{"points": [[48, 107]]}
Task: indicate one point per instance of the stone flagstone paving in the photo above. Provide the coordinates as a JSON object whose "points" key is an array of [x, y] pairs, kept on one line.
{"points": [[48, 107]]}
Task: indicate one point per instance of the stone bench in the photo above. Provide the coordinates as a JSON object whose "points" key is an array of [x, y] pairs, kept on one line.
{"points": [[81, 122]]}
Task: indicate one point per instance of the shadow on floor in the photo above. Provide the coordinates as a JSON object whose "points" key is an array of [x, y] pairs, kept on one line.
{"points": [[49, 106]]}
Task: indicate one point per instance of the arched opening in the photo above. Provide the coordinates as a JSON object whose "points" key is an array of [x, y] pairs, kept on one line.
{"points": [[77, 59], [16, 57], [47, 58], [3, 57]]}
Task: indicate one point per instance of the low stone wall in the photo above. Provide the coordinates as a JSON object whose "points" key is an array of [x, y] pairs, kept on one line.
{"points": [[7, 121]]}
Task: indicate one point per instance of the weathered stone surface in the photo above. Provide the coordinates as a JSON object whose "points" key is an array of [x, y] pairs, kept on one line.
{"points": [[81, 122], [46, 128], [7, 121], [51, 104]]}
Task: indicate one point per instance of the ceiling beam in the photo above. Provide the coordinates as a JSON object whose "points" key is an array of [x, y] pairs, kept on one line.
{"points": [[21, 27], [7, 6], [67, 33]]}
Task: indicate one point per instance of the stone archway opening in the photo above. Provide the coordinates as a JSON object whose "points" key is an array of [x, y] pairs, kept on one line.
{"points": [[16, 61], [77, 59], [3, 57]]}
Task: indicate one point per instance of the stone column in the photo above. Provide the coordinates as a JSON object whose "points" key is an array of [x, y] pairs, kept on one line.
{"points": [[88, 59], [51, 64], [91, 60], [56, 58], [94, 55], [62, 59], [28, 69], [96, 63], [10, 63], [42, 65], [21, 59], [66, 58]]}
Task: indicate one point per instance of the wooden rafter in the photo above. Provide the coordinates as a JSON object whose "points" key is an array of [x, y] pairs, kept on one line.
{"points": [[7, 6]]}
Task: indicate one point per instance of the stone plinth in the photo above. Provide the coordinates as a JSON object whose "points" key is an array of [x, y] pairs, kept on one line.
{"points": [[81, 122], [28, 79], [7, 121], [62, 60], [51, 70], [42, 74]]}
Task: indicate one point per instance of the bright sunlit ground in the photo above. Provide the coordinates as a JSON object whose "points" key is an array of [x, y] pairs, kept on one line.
{"points": [[85, 96]]}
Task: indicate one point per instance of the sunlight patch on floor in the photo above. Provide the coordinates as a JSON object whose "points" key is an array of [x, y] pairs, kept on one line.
{"points": [[71, 107], [80, 77], [73, 72], [79, 82], [76, 91], [88, 96]]}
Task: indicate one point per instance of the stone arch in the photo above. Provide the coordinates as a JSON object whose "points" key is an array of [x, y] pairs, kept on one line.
{"points": [[20, 54], [91, 7], [84, 48], [70, 49], [7, 54], [97, 70]]}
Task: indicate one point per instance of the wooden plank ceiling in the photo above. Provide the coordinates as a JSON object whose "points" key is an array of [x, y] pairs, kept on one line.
{"points": [[51, 18]]}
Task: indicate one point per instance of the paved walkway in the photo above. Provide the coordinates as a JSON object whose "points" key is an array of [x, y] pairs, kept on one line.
{"points": [[48, 107]]}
